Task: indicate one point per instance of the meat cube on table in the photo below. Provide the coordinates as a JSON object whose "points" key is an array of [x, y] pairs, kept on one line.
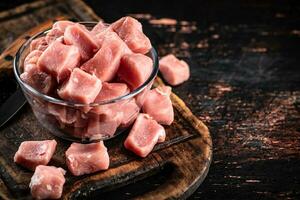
{"points": [[106, 61], [87, 158], [158, 105], [81, 87], [33, 153], [59, 60], [130, 30], [80, 37], [144, 134], [47, 182], [38, 44], [173, 70], [135, 69]]}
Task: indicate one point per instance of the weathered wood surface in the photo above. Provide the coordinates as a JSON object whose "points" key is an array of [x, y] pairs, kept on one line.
{"points": [[185, 156], [245, 84]]}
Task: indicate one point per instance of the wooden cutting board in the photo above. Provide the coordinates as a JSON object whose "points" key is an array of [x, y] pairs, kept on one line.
{"points": [[185, 155]]}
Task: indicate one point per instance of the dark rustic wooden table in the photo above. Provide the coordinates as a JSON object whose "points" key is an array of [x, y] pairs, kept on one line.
{"points": [[245, 84]]}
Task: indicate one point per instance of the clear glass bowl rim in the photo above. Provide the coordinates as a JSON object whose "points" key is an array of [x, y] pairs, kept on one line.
{"points": [[30, 89]]}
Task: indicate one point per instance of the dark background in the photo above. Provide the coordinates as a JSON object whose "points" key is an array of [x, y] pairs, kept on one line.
{"points": [[245, 85]]}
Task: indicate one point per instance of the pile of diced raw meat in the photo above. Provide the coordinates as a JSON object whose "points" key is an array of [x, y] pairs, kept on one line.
{"points": [[89, 66]]}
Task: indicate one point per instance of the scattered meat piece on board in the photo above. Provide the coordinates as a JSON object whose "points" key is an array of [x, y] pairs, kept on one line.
{"points": [[81, 87], [87, 158], [173, 70], [47, 182], [145, 133], [158, 105], [59, 60], [130, 30], [135, 69], [33, 153]]}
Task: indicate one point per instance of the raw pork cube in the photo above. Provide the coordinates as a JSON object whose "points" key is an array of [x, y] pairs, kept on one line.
{"points": [[98, 28], [110, 91], [79, 36], [135, 69], [104, 125], [130, 30], [62, 25], [62, 113], [106, 61], [173, 70], [38, 44], [144, 134], [33, 153], [47, 182], [59, 60], [57, 30], [87, 158], [81, 119], [158, 105], [130, 112], [39, 80], [81, 87], [31, 60]]}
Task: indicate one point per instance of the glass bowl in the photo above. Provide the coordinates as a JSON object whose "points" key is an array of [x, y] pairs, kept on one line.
{"points": [[83, 123]]}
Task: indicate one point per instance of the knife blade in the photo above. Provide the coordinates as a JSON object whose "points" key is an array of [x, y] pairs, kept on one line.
{"points": [[11, 106]]}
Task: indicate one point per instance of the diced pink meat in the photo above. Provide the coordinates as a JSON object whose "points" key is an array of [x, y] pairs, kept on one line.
{"points": [[62, 25], [106, 61], [135, 69], [110, 111], [103, 125], [33, 153], [80, 37], [31, 60], [62, 113], [81, 87], [53, 35], [57, 30], [59, 60], [111, 91], [38, 44], [130, 30], [130, 112], [173, 70], [158, 105], [39, 80], [144, 134], [98, 28], [47, 182], [87, 158], [81, 119]]}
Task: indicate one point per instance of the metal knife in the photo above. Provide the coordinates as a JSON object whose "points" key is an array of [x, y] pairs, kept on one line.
{"points": [[11, 106]]}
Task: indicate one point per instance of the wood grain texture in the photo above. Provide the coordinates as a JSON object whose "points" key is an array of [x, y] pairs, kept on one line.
{"points": [[187, 150]]}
